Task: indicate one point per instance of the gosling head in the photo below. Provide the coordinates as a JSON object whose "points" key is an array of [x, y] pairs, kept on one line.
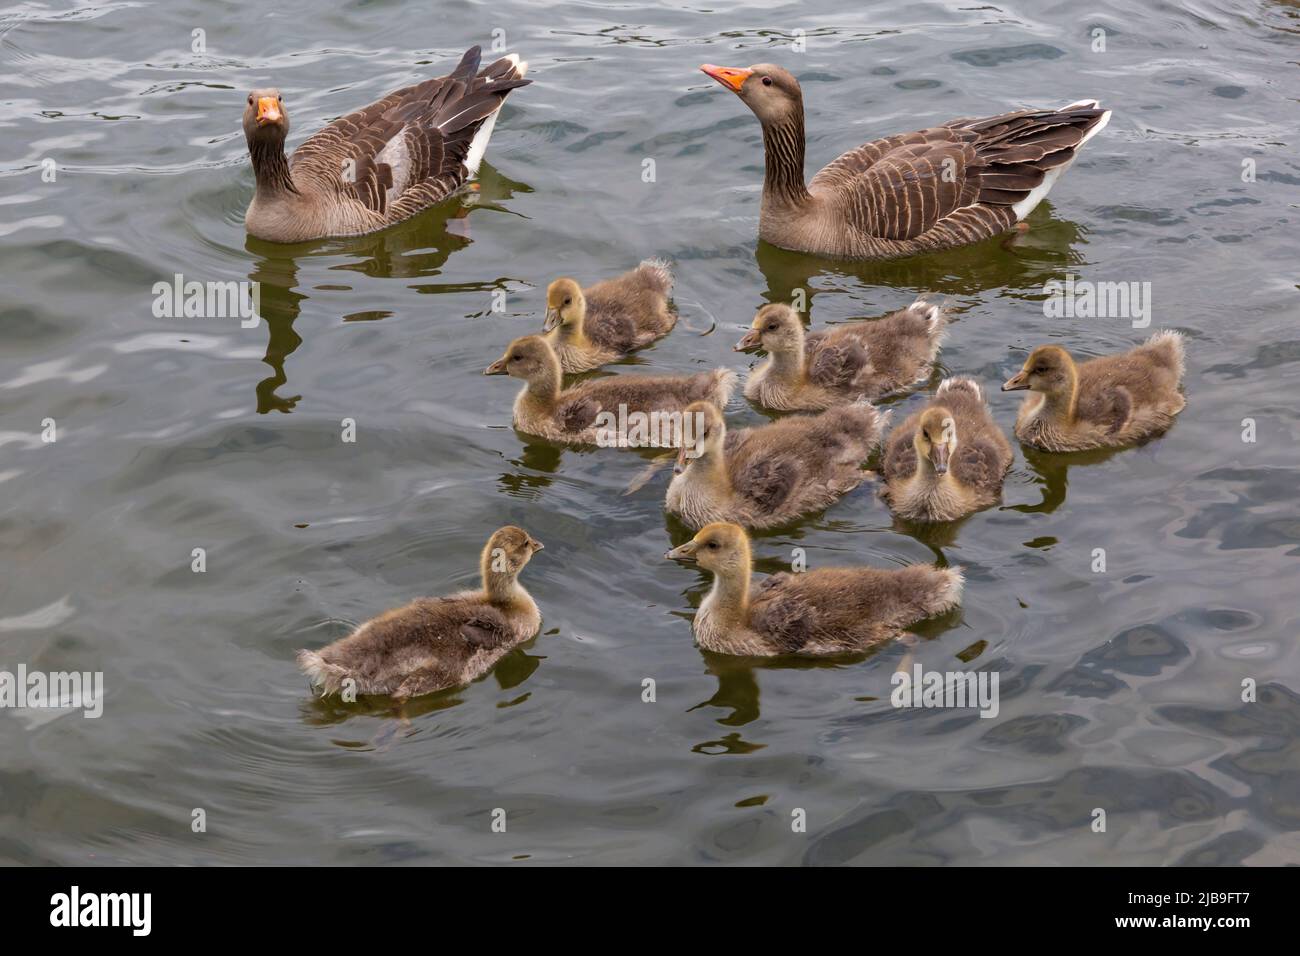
{"points": [[771, 92], [721, 547], [530, 358], [707, 431], [565, 305], [507, 551], [935, 439], [1048, 369], [265, 120], [776, 328]]}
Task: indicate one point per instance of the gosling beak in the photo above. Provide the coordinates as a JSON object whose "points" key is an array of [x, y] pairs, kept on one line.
{"points": [[682, 460], [752, 340], [1016, 383], [552, 320], [684, 553], [939, 459], [496, 368], [537, 545], [732, 78], [268, 110]]}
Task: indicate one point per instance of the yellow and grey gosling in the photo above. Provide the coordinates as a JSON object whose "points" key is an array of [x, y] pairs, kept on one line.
{"points": [[814, 370], [767, 476], [1102, 403], [948, 459], [435, 643], [611, 319], [574, 415], [822, 612]]}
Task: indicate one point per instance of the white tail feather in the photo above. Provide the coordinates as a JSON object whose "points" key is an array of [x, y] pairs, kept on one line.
{"points": [[1176, 341], [960, 381], [933, 313], [1039, 192], [662, 269], [952, 594], [478, 145]]}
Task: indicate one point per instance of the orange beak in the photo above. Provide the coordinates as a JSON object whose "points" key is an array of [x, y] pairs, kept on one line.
{"points": [[268, 110], [733, 78]]}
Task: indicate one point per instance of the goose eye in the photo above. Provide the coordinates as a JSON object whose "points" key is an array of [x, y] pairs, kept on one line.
{"points": [[568, 301], [279, 98], [250, 99], [713, 546], [772, 327], [767, 81]]}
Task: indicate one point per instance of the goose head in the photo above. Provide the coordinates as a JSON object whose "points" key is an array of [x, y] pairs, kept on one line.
{"points": [[935, 439], [721, 547], [1049, 369], [509, 549], [708, 433], [776, 328], [265, 118], [565, 305], [504, 556], [772, 93], [530, 358]]}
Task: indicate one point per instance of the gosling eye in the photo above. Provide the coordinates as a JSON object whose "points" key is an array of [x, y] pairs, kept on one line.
{"points": [[767, 81], [515, 358], [713, 546], [279, 98], [250, 99], [568, 301], [772, 327]]}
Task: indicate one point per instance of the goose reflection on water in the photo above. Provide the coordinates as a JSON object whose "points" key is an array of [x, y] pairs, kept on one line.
{"points": [[416, 249], [1021, 261]]}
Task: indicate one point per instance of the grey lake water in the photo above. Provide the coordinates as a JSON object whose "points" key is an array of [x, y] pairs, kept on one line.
{"points": [[1163, 690]]}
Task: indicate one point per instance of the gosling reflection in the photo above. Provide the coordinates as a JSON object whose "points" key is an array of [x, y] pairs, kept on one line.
{"points": [[935, 535], [539, 462], [535, 467], [399, 716], [739, 691], [1052, 472]]}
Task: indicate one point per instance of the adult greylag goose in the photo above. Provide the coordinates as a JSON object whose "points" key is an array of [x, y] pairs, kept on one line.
{"points": [[609, 320], [616, 411], [821, 612], [379, 165], [767, 476], [1102, 403], [936, 188], [814, 370], [435, 643], [948, 459]]}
